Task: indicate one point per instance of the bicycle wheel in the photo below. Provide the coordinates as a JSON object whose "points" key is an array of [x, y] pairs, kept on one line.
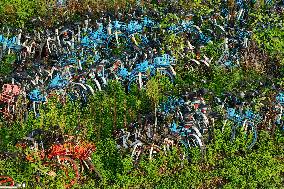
{"points": [[96, 84], [192, 141], [203, 126], [250, 134], [52, 169], [183, 150], [117, 44], [167, 74], [152, 150], [137, 152], [137, 81], [90, 166], [168, 144], [69, 165], [195, 141], [77, 91]]}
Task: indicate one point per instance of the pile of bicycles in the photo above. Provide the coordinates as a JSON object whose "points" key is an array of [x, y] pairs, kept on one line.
{"points": [[188, 122], [59, 61], [182, 123], [71, 62]]}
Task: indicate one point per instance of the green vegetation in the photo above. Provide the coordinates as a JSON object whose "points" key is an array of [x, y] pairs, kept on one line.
{"points": [[225, 164]]}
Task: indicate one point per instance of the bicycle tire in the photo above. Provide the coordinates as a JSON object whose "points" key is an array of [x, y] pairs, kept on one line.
{"points": [[135, 80], [110, 47], [152, 148], [140, 152], [253, 131], [74, 167], [192, 141], [92, 168], [168, 74]]}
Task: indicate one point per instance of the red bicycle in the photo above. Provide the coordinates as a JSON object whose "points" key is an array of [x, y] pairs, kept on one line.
{"points": [[6, 181], [61, 155], [80, 150], [8, 99]]}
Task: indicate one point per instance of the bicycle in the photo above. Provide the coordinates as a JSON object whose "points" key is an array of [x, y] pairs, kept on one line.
{"points": [[62, 149], [247, 122], [8, 99]]}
